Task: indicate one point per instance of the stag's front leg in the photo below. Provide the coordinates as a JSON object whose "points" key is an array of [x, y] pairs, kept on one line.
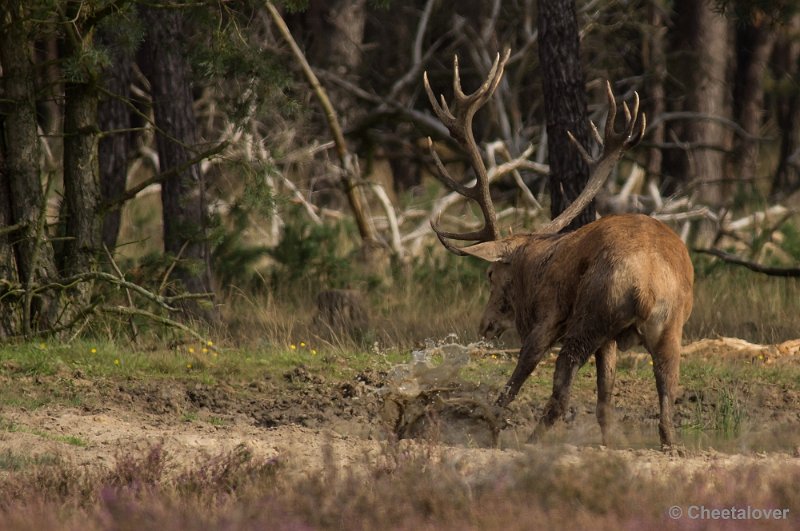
{"points": [[573, 355], [533, 349], [606, 358]]}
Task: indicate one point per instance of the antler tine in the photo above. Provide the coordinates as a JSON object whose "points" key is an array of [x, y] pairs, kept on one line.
{"points": [[637, 136], [612, 113], [632, 132], [458, 120], [441, 110], [457, 91], [584, 154], [614, 144], [595, 133]]}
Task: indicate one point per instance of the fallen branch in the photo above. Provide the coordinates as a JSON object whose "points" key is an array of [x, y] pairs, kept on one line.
{"points": [[127, 311], [758, 268]]}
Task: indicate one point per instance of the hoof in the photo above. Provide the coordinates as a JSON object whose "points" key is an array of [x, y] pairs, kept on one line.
{"points": [[673, 450]]}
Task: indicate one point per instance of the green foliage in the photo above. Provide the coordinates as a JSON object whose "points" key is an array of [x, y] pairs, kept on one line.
{"points": [[294, 6], [310, 255], [729, 413], [233, 257], [791, 242], [85, 66], [230, 56], [437, 269], [121, 32]]}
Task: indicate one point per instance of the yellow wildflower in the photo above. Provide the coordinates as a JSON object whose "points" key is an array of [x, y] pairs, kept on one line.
{"points": [[209, 343], [303, 344], [205, 350], [116, 361], [191, 350], [93, 350], [293, 346], [188, 365], [313, 352]]}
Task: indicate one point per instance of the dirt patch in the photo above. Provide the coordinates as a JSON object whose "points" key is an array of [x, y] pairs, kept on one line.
{"points": [[305, 421]]}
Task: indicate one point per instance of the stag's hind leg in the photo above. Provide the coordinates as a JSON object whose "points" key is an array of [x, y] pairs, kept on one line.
{"points": [[666, 367], [606, 358]]}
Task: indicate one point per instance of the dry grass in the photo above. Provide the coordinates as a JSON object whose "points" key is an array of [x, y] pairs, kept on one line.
{"points": [[405, 488], [734, 302], [727, 302]]}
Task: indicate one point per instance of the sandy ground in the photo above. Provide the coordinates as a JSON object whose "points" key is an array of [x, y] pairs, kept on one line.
{"points": [[309, 421]]}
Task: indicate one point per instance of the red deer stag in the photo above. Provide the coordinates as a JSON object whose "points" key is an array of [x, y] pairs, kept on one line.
{"points": [[617, 281]]}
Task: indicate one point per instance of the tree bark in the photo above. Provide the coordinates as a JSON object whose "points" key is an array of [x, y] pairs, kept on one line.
{"points": [[9, 314], [81, 181], [33, 252], [565, 105], [112, 115], [163, 62], [655, 64], [701, 41], [82, 245], [787, 70], [754, 47]]}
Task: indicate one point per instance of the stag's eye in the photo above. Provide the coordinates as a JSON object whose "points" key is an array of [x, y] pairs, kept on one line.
{"points": [[489, 274]]}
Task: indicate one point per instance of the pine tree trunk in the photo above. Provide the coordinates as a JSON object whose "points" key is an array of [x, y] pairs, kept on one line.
{"points": [[655, 62], [754, 47], [163, 61], [701, 41], [787, 80], [565, 105], [33, 254], [9, 304], [113, 114], [83, 228], [81, 182]]}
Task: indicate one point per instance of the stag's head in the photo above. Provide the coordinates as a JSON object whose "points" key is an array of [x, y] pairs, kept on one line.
{"points": [[498, 316], [457, 117]]}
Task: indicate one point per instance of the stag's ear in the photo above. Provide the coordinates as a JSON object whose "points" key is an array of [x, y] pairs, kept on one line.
{"points": [[494, 251]]}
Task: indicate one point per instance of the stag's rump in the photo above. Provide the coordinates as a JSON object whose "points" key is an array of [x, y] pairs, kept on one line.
{"points": [[635, 278]]}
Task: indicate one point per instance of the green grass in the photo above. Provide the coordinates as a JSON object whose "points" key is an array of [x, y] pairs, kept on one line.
{"points": [[14, 462], [8, 426]]}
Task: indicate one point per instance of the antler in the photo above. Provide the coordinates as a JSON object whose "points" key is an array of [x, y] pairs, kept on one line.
{"points": [[459, 122], [614, 145]]}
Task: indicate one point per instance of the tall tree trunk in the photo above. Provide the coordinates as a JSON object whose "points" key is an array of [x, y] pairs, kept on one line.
{"points": [[83, 228], [81, 179], [655, 64], [9, 304], [787, 78], [754, 47], [702, 42], [33, 252], [565, 105], [113, 114], [163, 61]]}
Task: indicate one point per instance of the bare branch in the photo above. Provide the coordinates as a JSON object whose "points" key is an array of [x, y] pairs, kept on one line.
{"points": [[758, 268]]}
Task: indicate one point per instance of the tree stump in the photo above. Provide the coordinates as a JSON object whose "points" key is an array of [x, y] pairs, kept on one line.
{"points": [[341, 313]]}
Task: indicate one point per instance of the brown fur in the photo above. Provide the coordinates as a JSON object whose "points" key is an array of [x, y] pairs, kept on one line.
{"points": [[614, 282]]}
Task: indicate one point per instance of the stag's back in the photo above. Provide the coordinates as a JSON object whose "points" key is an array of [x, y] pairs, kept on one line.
{"points": [[626, 273]]}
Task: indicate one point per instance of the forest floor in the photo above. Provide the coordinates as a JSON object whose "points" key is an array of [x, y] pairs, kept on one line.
{"points": [[739, 408]]}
